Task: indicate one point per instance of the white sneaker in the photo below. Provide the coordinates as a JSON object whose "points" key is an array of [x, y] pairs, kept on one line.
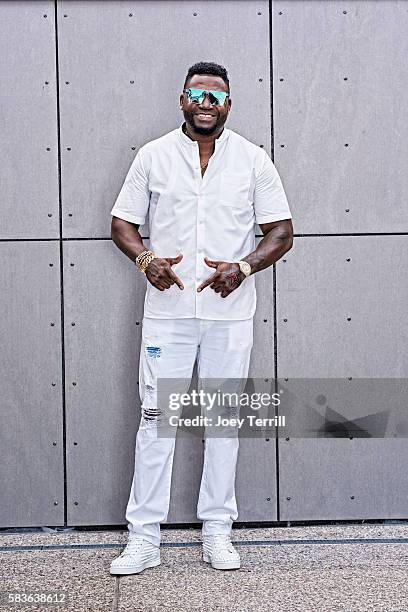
{"points": [[137, 556], [219, 551]]}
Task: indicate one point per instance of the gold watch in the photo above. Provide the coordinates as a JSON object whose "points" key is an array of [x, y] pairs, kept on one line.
{"points": [[245, 267]]}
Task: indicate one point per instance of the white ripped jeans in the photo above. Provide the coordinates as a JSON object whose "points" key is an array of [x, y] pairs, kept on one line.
{"points": [[169, 350]]}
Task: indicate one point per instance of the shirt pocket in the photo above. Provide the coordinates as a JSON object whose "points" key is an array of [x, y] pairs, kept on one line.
{"points": [[235, 189]]}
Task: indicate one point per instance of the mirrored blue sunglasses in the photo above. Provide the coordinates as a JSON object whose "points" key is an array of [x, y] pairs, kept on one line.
{"points": [[216, 98]]}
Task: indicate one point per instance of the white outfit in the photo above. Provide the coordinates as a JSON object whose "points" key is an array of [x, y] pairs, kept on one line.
{"points": [[213, 215]]}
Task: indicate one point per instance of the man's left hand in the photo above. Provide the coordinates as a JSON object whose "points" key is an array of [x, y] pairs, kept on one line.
{"points": [[225, 279]]}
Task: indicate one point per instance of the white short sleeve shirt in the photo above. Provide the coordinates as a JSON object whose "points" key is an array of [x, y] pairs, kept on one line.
{"points": [[213, 216]]}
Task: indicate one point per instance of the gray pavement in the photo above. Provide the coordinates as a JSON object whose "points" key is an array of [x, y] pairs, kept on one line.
{"points": [[347, 568]]}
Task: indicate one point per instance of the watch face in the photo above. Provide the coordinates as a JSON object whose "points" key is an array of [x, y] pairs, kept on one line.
{"points": [[245, 268]]}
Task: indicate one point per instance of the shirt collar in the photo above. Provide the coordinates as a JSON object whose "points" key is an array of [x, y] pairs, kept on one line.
{"points": [[193, 143]]}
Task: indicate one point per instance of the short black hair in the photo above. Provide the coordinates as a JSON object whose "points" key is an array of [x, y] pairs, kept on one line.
{"points": [[207, 68]]}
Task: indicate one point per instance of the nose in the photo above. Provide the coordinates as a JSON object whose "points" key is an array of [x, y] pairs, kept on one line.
{"points": [[206, 102]]}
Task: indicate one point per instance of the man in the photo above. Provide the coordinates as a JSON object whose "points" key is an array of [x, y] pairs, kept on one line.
{"points": [[203, 188]]}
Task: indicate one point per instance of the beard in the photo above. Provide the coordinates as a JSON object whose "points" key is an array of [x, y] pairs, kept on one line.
{"points": [[203, 130]]}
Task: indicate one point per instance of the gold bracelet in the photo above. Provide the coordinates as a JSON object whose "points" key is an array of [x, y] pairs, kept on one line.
{"points": [[142, 256], [145, 263], [143, 260]]}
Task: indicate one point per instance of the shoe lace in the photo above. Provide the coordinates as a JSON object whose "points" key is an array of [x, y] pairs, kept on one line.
{"points": [[222, 541], [133, 546]]}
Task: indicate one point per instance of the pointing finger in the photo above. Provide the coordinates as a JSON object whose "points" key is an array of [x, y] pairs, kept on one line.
{"points": [[176, 279], [207, 282]]}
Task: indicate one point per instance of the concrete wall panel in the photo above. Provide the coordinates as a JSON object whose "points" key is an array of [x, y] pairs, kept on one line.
{"points": [[323, 282], [340, 137], [28, 116], [256, 488], [103, 312], [31, 417], [121, 77]]}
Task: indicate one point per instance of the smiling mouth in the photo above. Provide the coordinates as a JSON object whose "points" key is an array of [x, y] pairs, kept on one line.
{"points": [[204, 116]]}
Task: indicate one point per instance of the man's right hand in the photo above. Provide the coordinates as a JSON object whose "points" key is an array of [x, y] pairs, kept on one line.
{"points": [[160, 274]]}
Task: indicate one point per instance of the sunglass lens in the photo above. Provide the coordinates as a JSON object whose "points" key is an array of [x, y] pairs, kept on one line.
{"points": [[195, 95], [217, 98]]}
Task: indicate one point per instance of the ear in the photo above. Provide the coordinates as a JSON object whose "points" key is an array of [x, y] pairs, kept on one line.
{"points": [[229, 104], [181, 100]]}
